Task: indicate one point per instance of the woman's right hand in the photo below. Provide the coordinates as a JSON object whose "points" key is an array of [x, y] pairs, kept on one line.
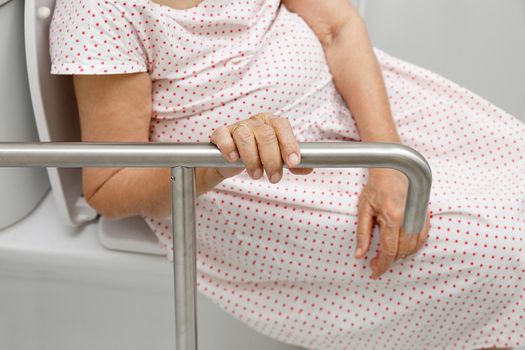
{"points": [[263, 142]]}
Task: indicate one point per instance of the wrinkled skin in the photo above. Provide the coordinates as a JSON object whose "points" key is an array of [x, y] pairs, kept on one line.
{"points": [[382, 201]]}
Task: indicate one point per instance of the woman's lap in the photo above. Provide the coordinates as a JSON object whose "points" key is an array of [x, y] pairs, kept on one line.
{"points": [[280, 256]]}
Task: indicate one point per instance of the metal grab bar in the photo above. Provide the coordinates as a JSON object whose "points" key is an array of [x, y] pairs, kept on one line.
{"points": [[182, 158]]}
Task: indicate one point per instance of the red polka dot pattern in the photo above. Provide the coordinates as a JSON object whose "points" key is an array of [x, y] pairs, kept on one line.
{"points": [[280, 256]]}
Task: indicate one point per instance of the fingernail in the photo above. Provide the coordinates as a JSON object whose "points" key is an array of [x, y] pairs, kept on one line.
{"points": [[293, 159], [275, 177], [234, 155], [358, 252], [257, 173]]}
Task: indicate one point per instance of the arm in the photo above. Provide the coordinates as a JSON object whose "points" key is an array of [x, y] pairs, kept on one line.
{"points": [[117, 108], [358, 78], [353, 64]]}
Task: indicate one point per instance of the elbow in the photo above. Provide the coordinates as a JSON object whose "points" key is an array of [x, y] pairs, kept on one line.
{"points": [[101, 204], [348, 24], [104, 193], [100, 200]]}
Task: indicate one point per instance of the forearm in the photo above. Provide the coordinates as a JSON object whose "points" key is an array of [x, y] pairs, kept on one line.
{"points": [[144, 191], [359, 80]]}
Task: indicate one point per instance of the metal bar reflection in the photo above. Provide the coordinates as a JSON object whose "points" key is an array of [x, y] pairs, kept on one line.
{"points": [[313, 154], [184, 257]]}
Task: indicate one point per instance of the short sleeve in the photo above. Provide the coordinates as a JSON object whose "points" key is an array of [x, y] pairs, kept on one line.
{"points": [[96, 37]]}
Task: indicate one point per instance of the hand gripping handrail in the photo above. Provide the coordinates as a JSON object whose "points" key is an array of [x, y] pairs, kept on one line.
{"points": [[183, 158]]}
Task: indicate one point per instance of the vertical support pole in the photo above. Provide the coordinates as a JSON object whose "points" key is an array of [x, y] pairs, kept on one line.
{"points": [[184, 256]]}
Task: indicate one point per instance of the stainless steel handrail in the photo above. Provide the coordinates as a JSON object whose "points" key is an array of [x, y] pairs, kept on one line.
{"points": [[183, 158]]}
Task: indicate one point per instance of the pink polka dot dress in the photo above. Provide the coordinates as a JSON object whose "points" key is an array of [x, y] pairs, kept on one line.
{"points": [[280, 256]]}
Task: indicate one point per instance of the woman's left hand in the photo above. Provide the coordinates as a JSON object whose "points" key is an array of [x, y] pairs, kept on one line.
{"points": [[383, 198]]}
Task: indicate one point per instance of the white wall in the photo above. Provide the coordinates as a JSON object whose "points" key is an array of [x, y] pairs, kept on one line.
{"points": [[478, 44]]}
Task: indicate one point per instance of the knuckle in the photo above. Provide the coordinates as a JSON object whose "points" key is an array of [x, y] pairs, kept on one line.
{"points": [[243, 136], [386, 221], [214, 135], [266, 134], [223, 143], [369, 193], [268, 117], [397, 216], [278, 122], [224, 137], [288, 131], [393, 217], [228, 145], [389, 253], [264, 117]]}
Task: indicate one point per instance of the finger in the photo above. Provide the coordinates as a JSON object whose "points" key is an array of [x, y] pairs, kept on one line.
{"points": [[365, 225], [423, 236], [283, 132], [269, 151], [262, 117], [223, 139], [389, 240], [290, 151], [247, 147], [228, 172], [407, 244]]}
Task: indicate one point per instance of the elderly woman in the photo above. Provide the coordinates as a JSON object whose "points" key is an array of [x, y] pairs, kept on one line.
{"points": [[289, 253]]}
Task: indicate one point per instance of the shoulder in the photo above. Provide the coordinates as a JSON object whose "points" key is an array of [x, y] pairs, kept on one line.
{"points": [[98, 36], [324, 17], [91, 18], [85, 11]]}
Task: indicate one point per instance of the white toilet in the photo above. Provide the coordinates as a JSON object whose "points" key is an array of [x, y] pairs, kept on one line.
{"points": [[72, 280]]}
